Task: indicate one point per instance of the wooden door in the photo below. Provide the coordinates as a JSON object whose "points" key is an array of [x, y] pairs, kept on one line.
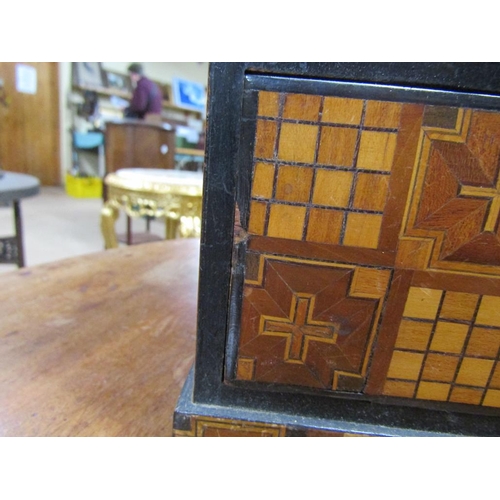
{"points": [[29, 124]]}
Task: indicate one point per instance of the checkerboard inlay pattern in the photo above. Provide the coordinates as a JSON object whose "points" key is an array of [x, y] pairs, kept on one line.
{"points": [[447, 348], [322, 167]]}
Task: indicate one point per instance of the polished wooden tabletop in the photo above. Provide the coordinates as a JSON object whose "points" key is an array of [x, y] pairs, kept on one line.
{"points": [[98, 345]]}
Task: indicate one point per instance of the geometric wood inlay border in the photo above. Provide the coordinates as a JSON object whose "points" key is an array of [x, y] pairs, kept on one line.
{"points": [[315, 332], [452, 220]]}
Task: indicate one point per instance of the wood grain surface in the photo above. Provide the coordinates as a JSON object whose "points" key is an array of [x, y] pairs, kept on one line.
{"points": [[98, 345], [373, 251], [29, 124]]}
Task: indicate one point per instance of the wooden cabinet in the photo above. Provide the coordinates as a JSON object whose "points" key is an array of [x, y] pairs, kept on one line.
{"points": [[350, 269], [172, 115], [135, 143]]}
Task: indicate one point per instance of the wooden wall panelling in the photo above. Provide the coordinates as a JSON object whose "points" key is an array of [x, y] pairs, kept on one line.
{"points": [[29, 126]]}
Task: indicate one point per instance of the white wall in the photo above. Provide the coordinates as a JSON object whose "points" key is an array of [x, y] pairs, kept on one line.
{"points": [[162, 72]]}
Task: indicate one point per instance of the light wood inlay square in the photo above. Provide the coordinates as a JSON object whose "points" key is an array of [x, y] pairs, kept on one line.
{"points": [[370, 282], [434, 391], [422, 303], [495, 379], [398, 388], [405, 365], [297, 142], [484, 342], [413, 335], [457, 305], [294, 183], [474, 372], [337, 146], [324, 225], [413, 254], [263, 180], [302, 107], [440, 368], [286, 221], [257, 220], [492, 398], [362, 230], [489, 311], [245, 368], [376, 150], [466, 395], [265, 139], [371, 192], [342, 110], [268, 103], [332, 188], [449, 337], [382, 114]]}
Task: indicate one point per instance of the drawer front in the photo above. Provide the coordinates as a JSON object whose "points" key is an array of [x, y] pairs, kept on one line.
{"points": [[367, 243]]}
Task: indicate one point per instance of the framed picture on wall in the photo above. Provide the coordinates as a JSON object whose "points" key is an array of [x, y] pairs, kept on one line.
{"points": [[189, 95], [118, 81], [88, 74]]}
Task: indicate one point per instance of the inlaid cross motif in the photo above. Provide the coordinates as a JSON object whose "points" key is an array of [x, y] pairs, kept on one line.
{"points": [[299, 328], [484, 192]]}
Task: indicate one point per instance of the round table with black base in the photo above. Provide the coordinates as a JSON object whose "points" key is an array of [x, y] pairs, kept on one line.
{"points": [[14, 187]]}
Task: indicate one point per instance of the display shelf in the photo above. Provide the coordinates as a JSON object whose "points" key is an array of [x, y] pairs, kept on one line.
{"points": [[128, 95]]}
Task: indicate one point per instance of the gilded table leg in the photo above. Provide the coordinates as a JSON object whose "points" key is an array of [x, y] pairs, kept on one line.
{"points": [[109, 214], [171, 226]]}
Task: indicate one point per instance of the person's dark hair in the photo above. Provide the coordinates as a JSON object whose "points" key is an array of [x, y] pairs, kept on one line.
{"points": [[136, 68]]}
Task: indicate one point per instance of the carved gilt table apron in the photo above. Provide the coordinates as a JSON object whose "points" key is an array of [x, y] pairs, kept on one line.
{"points": [[174, 195]]}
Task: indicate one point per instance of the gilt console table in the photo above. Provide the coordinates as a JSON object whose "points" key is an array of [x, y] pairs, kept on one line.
{"points": [[360, 291], [147, 192]]}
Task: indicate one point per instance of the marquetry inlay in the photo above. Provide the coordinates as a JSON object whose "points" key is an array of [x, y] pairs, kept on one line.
{"points": [[372, 261], [298, 328]]}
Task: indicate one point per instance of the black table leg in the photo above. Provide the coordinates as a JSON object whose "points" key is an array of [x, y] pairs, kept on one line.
{"points": [[19, 233], [129, 230]]}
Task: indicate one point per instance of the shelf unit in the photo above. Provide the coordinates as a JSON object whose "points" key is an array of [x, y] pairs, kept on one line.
{"points": [[177, 116], [103, 91]]}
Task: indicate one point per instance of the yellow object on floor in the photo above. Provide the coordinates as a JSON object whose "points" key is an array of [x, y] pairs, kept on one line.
{"points": [[83, 187]]}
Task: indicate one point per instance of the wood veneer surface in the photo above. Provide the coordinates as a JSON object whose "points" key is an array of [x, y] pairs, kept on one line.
{"points": [[138, 144], [373, 249], [98, 345]]}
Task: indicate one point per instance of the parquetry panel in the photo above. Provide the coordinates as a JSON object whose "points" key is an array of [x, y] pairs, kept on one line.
{"points": [[203, 426], [372, 260], [323, 169], [455, 203], [310, 323], [447, 348]]}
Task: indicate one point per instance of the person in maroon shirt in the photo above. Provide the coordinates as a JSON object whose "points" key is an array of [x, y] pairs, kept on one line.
{"points": [[147, 98]]}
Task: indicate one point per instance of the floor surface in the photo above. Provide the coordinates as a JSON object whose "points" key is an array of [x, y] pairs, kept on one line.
{"points": [[57, 226]]}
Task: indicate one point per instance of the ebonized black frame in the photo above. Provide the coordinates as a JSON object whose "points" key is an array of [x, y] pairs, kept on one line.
{"points": [[472, 84]]}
